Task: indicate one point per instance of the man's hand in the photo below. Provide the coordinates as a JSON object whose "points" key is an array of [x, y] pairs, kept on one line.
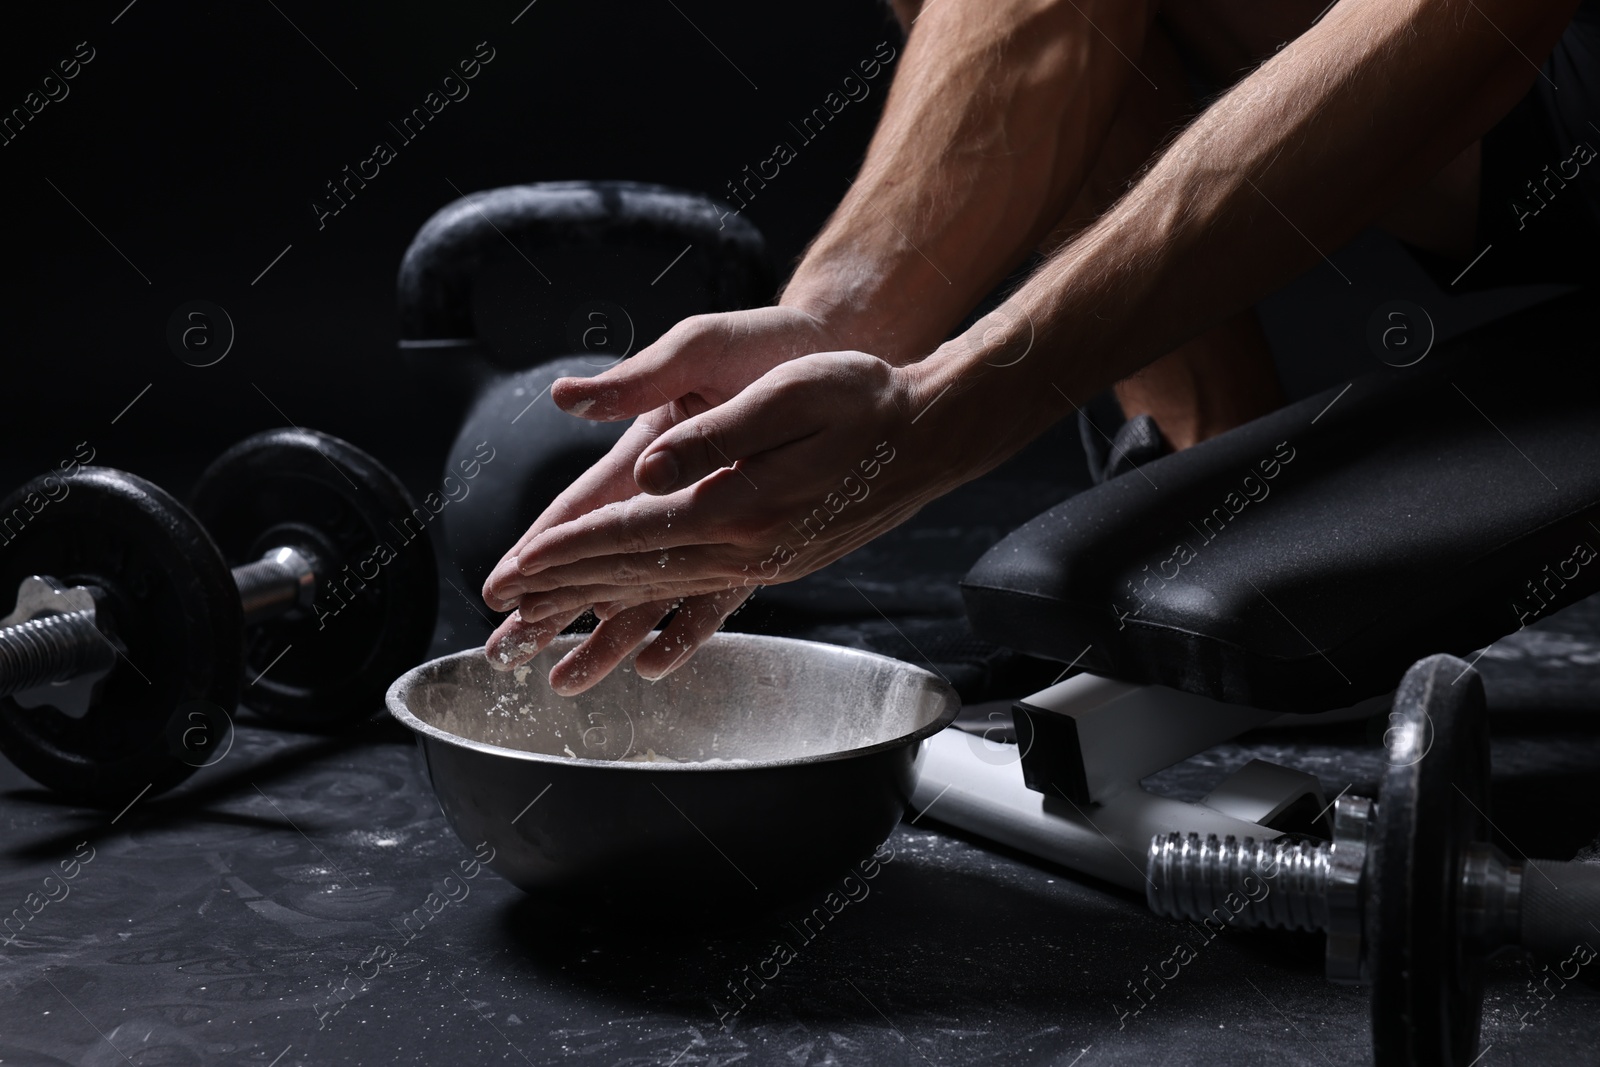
{"points": [[788, 476], [695, 366]]}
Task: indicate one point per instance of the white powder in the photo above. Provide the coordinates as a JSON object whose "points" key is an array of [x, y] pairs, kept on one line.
{"points": [[647, 756]]}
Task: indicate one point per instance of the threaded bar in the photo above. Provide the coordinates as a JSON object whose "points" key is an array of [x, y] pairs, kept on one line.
{"points": [[54, 648], [1281, 883]]}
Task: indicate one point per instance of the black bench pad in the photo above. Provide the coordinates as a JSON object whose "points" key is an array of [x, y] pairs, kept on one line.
{"points": [[1303, 561]]}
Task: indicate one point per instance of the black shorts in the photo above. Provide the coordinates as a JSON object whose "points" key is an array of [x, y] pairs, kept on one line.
{"points": [[1539, 200]]}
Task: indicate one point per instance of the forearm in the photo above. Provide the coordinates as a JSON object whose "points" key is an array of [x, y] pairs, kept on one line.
{"points": [[992, 124], [1287, 166]]}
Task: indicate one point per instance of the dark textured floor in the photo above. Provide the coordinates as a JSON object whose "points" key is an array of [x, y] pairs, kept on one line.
{"points": [[227, 921]]}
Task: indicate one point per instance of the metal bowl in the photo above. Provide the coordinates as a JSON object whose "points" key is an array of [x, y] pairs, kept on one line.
{"points": [[796, 760]]}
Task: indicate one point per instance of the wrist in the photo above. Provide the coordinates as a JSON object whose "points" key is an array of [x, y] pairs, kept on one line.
{"points": [[989, 349], [858, 302], [981, 396], [945, 398]]}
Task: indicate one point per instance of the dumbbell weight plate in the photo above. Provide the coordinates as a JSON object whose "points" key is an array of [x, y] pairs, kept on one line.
{"points": [[175, 610], [377, 593], [1427, 987]]}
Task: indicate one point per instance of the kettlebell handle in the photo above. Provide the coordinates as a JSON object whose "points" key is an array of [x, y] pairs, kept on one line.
{"points": [[442, 265]]}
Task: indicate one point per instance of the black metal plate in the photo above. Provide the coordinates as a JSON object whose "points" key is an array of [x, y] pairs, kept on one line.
{"points": [[377, 591], [1427, 988], [175, 610]]}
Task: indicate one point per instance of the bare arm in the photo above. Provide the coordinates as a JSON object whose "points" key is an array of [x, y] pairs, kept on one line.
{"points": [[1291, 163], [997, 112]]}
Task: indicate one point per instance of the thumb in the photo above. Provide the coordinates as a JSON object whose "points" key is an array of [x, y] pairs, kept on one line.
{"points": [[660, 373], [753, 422]]}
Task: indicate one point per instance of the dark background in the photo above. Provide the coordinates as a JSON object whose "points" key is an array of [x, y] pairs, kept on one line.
{"points": [[197, 138]]}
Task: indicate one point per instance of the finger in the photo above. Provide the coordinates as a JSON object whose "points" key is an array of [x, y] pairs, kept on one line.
{"points": [[558, 602], [693, 625], [617, 607], [644, 524], [601, 484], [658, 374], [765, 416], [632, 569], [608, 481], [517, 641], [562, 556], [603, 649], [500, 590], [611, 609]]}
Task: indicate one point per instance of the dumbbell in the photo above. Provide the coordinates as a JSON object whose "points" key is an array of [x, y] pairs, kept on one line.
{"points": [[1412, 894], [302, 579], [503, 291]]}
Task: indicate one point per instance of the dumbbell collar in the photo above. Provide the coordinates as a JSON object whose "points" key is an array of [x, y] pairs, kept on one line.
{"points": [[55, 633], [1490, 904], [40, 595], [1347, 889]]}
